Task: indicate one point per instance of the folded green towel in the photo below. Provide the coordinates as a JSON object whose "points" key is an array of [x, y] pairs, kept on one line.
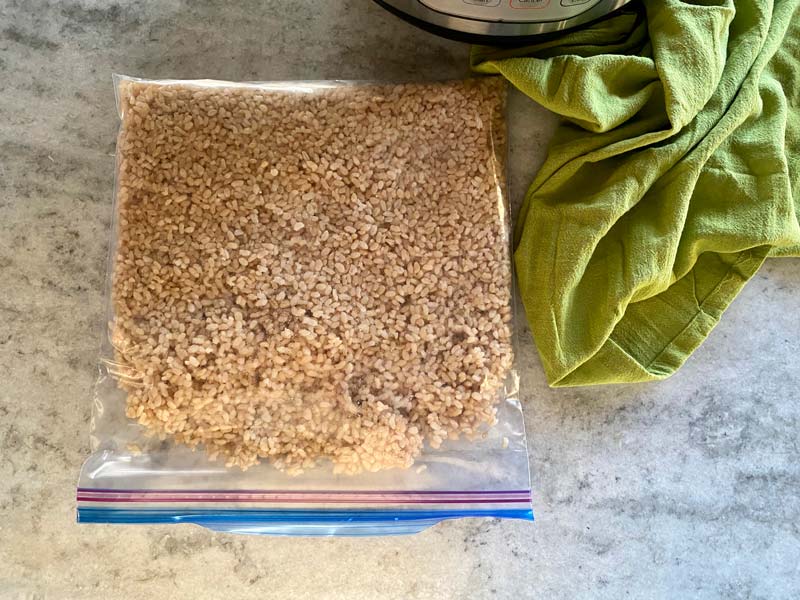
{"points": [[675, 174]]}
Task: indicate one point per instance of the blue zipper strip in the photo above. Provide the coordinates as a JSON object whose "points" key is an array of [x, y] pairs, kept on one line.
{"points": [[295, 522]]}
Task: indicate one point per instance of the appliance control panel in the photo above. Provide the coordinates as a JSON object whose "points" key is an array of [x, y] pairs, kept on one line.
{"points": [[511, 10]]}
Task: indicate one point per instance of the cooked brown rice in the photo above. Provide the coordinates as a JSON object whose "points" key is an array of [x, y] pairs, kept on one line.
{"points": [[305, 275]]}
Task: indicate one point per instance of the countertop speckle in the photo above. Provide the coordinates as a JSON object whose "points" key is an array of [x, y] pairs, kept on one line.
{"points": [[689, 488]]}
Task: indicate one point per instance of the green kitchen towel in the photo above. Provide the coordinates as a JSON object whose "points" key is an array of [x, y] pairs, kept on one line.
{"points": [[674, 175]]}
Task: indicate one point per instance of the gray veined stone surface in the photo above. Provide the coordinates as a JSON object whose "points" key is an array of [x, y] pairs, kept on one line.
{"points": [[689, 488]]}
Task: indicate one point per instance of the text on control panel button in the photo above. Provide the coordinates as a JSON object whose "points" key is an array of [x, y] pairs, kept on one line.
{"points": [[529, 3]]}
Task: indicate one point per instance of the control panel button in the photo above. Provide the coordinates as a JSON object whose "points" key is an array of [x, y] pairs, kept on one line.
{"points": [[529, 3], [483, 2]]}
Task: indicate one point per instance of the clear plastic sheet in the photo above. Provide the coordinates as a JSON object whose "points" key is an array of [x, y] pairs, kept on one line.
{"points": [[336, 183]]}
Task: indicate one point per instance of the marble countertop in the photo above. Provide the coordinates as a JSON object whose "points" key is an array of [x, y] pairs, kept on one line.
{"points": [[685, 488]]}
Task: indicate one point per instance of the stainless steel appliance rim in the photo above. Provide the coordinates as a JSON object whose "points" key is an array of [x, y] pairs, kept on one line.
{"points": [[421, 15]]}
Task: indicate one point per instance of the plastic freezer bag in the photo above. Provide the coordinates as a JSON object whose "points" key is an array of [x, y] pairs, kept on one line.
{"points": [[309, 308]]}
